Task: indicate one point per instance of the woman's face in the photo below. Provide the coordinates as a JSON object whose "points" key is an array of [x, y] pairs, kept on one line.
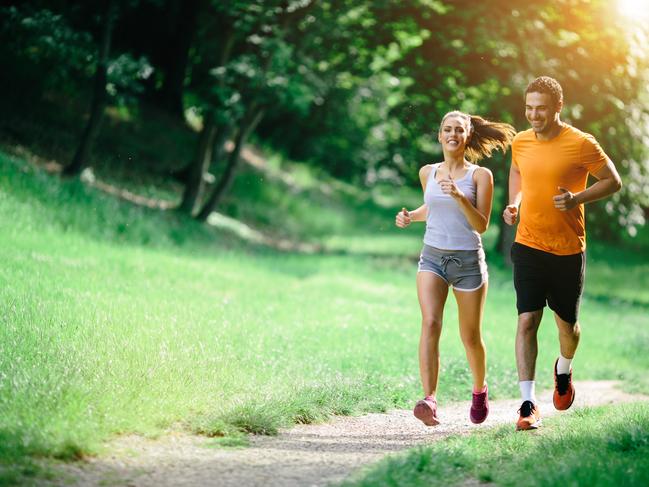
{"points": [[454, 134]]}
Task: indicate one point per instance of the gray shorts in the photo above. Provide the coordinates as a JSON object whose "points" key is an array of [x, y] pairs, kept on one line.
{"points": [[465, 270]]}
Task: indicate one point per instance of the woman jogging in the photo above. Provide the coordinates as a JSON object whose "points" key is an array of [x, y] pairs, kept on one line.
{"points": [[456, 209]]}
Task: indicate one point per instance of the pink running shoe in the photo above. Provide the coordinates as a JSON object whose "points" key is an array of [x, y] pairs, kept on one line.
{"points": [[479, 406], [426, 411]]}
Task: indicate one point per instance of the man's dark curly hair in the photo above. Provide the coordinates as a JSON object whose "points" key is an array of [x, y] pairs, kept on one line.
{"points": [[545, 84]]}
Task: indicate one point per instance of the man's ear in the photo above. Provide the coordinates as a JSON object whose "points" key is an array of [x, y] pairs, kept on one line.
{"points": [[559, 106]]}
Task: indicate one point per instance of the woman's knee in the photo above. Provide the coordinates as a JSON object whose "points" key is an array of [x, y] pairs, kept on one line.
{"points": [[472, 341], [431, 325]]}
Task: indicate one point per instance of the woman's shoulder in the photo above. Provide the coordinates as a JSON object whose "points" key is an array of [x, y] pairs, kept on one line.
{"points": [[481, 172], [424, 171], [427, 168]]}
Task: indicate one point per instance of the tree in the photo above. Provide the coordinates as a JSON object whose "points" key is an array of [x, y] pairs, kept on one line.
{"points": [[177, 55], [99, 96], [272, 56]]}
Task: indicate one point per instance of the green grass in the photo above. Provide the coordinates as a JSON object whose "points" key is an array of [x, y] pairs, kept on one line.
{"points": [[588, 447], [119, 319], [622, 277]]}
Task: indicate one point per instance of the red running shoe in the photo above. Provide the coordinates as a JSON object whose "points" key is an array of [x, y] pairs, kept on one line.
{"points": [[426, 411], [564, 391]]}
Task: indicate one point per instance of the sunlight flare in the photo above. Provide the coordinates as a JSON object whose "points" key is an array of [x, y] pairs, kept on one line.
{"points": [[634, 9]]}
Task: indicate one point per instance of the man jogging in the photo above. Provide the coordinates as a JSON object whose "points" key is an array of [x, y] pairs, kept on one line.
{"points": [[547, 179]]}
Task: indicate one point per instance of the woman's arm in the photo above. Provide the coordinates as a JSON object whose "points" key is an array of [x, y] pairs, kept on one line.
{"points": [[405, 217]]}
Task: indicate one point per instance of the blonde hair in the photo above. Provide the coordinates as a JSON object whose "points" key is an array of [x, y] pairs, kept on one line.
{"points": [[484, 136]]}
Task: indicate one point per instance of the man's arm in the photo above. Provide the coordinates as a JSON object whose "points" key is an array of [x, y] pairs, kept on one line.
{"points": [[608, 182]]}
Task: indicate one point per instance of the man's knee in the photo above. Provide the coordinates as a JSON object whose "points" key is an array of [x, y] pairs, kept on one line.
{"points": [[529, 322], [569, 329]]}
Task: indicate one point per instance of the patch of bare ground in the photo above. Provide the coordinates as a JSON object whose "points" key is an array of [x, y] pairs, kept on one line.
{"points": [[305, 455]]}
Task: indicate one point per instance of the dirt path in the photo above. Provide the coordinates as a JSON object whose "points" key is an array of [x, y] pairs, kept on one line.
{"points": [[306, 455]]}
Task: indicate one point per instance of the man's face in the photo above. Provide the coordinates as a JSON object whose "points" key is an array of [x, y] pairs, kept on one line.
{"points": [[541, 112]]}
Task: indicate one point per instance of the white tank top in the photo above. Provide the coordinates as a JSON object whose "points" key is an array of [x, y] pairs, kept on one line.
{"points": [[446, 226]]}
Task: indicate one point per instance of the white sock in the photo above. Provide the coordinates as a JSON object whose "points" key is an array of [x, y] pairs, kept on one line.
{"points": [[527, 390], [563, 365]]}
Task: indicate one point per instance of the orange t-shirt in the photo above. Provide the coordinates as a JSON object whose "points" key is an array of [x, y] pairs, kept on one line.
{"points": [[544, 165]]}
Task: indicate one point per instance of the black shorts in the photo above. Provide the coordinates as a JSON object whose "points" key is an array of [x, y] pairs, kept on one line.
{"points": [[541, 276]]}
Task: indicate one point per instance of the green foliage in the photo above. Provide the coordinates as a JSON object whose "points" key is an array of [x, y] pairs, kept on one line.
{"points": [[39, 40], [479, 58], [126, 76], [36, 41], [359, 88], [251, 62]]}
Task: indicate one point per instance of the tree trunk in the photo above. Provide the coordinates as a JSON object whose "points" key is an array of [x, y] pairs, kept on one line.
{"points": [[248, 125], [223, 131], [99, 97], [199, 165], [171, 94], [249, 121]]}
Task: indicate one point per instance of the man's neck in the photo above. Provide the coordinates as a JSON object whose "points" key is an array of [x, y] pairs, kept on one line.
{"points": [[552, 131]]}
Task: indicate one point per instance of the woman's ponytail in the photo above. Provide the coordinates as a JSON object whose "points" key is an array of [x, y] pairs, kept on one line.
{"points": [[487, 136]]}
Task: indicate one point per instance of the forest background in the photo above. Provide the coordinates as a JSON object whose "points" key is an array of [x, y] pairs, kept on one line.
{"points": [[197, 204], [355, 89]]}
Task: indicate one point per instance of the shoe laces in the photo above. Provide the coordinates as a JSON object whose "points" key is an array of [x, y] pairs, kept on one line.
{"points": [[563, 383], [526, 409], [479, 400]]}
